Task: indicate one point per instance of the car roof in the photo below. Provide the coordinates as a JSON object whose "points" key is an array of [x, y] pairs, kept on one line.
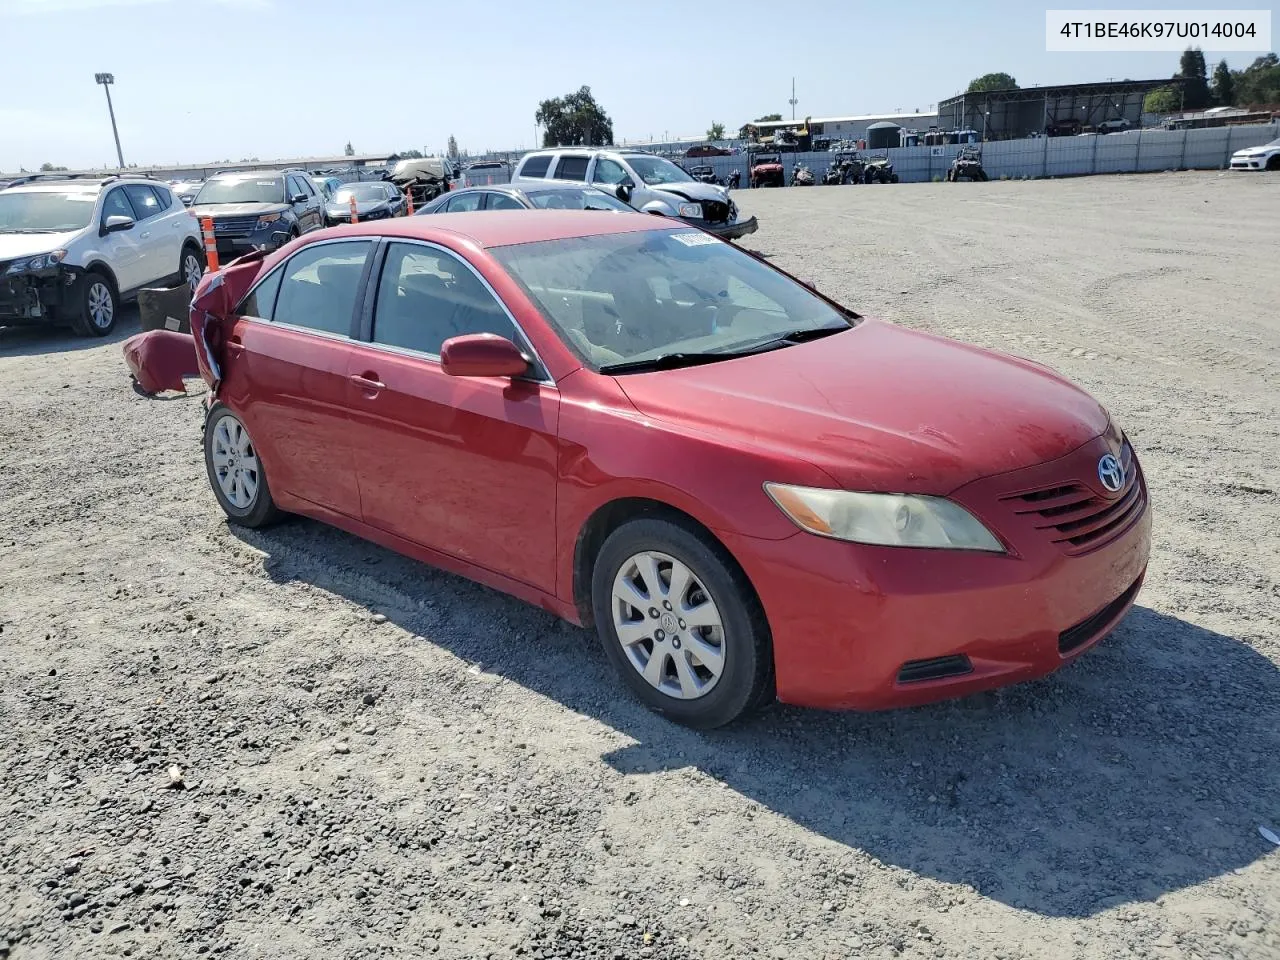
{"points": [[500, 228]]}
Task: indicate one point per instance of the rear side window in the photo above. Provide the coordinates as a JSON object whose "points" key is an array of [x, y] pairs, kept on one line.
{"points": [[500, 201], [465, 203], [319, 287], [572, 168], [536, 166], [262, 301]]}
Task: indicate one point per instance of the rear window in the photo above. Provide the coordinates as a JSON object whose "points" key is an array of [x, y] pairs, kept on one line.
{"points": [[535, 166], [572, 168]]}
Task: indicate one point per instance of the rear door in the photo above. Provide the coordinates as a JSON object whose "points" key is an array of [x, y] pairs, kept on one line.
{"points": [[287, 371]]}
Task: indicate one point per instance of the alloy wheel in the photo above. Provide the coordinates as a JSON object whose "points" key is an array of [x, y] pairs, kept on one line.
{"points": [[192, 271], [668, 625], [235, 463], [102, 307]]}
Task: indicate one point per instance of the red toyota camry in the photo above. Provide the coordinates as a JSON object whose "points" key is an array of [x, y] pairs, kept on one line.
{"points": [[749, 490]]}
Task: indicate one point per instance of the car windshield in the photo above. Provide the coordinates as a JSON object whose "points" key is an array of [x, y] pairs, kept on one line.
{"points": [[632, 297], [363, 192], [248, 189], [575, 200], [40, 211], [657, 170]]}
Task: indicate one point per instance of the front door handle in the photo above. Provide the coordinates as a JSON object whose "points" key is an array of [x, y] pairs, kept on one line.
{"points": [[145, 234], [368, 380]]}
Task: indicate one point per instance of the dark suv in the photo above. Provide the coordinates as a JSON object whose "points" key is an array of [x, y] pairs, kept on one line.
{"points": [[262, 208]]}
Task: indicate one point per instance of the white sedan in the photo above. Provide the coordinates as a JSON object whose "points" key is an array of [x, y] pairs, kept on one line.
{"points": [[1265, 157]]}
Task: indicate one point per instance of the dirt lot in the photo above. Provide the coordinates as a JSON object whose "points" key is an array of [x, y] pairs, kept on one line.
{"points": [[383, 760]]}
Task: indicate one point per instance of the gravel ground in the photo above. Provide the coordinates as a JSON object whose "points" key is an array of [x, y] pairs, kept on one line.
{"points": [[295, 744]]}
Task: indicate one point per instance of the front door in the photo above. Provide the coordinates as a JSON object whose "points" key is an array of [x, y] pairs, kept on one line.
{"points": [[123, 249], [287, 360], [465, 466]]}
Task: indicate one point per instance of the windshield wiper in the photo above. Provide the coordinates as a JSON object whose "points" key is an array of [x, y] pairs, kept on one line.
{"points": [[28, 230], [790, 338], [666, 361]]}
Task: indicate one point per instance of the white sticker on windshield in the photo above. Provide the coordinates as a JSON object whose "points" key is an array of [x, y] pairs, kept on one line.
{"points": [[694, 239]]}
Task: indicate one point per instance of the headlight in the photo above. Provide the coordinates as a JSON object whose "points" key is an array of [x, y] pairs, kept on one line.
{"points": [[42, 262], [693, 210], [266, 220], [884, 519]]}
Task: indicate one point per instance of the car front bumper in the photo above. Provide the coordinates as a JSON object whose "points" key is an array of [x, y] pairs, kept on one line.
{"points": [[728, 231], [45, 296], [1247, 163], [230, 247], [868, 628]]}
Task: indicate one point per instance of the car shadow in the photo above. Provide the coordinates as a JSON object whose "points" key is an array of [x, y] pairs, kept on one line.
{"points": [[36, 341], [1140, 770]]}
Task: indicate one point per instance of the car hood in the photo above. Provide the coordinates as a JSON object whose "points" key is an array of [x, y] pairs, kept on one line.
{"points": [[881, 408], [693, 190], [1254, 151], [14, 246], [216, 210]]}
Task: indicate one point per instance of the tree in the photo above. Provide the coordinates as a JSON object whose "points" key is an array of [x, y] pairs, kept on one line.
{"points": [[715, 131], [992, 81], [47, 167], [1162, 100], [410, 154], [1259, 83], [453, 148], [574, 120], [1224, 85], [1194, 74], [350, 151]]}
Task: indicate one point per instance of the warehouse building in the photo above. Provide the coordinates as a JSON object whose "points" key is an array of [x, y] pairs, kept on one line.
{"points": [[1060, 110]]}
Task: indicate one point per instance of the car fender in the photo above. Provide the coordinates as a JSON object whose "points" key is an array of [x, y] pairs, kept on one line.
{"points": [[662, 208]]}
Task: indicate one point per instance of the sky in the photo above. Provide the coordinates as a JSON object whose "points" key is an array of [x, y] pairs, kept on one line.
{"points": [[213, 80]]}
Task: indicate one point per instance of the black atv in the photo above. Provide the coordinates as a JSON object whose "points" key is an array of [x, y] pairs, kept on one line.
{"points": [[967, 166], [879, 170], [845, 168]]}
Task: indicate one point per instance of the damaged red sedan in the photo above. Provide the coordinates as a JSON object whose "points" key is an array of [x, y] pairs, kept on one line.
{"points": [[749, 490]]}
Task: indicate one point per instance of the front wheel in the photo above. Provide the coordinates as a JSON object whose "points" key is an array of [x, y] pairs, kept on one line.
{"points": [[192, 268], [235, 472], [96, 306], [681, 624], [1273, 163]]}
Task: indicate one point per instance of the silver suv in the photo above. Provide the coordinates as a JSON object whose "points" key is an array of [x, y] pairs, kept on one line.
{"points": [[649, 183]]}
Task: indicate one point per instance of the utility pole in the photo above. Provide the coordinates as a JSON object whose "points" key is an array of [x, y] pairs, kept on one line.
{"points": [[793, 101], [106, 79]]}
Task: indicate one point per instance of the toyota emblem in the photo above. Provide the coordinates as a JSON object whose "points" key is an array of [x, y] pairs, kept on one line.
{"points": [[1111, 473]]}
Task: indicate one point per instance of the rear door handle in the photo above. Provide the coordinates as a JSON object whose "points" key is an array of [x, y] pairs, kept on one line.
{"points": [[368, 380]]}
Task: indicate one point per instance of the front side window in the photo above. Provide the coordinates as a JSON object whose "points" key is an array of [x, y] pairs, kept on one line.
{"points": [[117, 204], [426, 296], [144, 201], [319, 286], [261, 303], [465, 203], [572, 168], [536, 166], [638, 296], [241, 189], [608, 171]]}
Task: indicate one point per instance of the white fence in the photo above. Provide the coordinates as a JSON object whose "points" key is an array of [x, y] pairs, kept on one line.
{"points": [[1139, 151]]}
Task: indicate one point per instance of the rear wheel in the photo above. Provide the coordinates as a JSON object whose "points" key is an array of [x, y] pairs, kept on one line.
{"points": [[192, 267], [97, 305], [681, 624], [236, 474]]}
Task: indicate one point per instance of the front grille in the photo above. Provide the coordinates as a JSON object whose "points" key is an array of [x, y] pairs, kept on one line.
{"points": [[937, 668], [234, 226], [1075, 637], [715, 211], [1077, 519]]}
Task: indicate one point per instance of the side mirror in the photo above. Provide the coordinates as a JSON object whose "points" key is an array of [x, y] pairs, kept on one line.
{"points": [[482, 355], [811, 284], [116, 224], [299, 198], [625, 187]]}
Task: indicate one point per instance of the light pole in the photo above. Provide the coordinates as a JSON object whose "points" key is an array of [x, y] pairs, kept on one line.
{"points": [[106, 79]]}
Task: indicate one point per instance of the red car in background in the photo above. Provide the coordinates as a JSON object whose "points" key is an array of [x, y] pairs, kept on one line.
{"points": [[746, 488]]}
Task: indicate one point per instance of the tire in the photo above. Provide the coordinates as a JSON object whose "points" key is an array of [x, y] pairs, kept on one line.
{"points": [[1273, 163], [868, 175], [739, 631], [191, 265], [982, 176], [97, 305], [893, 178], [227, 448]]}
